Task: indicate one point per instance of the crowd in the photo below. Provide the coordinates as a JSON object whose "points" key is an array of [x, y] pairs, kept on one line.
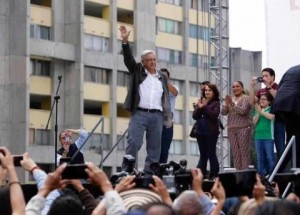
{"points": [[69, 196]]}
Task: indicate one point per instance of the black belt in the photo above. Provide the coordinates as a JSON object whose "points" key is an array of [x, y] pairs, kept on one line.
{"points": [[148, 110]]}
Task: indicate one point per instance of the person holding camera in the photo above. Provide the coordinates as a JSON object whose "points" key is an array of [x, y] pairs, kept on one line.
{"points": [[238, 108], [68, 148], [268, 79], [148, 101], [206, 114], [17, 202]]}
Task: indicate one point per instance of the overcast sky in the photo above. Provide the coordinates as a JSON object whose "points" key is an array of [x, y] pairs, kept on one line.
{"points": [[247, 25]]}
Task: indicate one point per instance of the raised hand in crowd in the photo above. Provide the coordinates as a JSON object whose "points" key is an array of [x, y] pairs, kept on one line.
{"points": [[161, 189], [126, 183], [197, 181], [113, 202], [219, 193], [16, 194]]}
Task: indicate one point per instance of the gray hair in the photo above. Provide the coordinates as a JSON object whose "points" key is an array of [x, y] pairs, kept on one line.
{"points": [[188, 203], [146, 52]]}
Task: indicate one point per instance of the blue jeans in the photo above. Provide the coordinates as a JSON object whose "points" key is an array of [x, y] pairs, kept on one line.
{"points": [[166, 139], [279, 136], [265, 156], [151, 123]]}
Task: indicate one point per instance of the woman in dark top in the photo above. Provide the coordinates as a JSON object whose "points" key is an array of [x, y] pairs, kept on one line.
{"points": [[206, 113]]}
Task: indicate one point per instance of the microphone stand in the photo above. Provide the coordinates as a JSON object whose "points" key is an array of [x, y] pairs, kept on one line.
{"points": [[55, 101]]}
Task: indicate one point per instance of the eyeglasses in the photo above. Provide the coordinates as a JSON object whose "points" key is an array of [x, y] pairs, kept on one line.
{"points": [[263, 99]]}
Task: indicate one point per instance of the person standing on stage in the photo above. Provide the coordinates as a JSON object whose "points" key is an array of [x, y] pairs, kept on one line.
{"points": [[268, 78], [148, 101], [239, 124], [167, 133], [206, 114], [286, 105]]}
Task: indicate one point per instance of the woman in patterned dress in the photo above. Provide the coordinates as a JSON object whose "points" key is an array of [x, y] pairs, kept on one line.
{"points": [[239, 124]]}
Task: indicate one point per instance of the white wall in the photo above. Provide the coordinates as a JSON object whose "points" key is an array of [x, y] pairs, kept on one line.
{"points": [[283, 34]]}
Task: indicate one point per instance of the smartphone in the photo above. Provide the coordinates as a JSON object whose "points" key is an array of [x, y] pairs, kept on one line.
{"points": [[75, 171], [17, 159], [238, 183]]}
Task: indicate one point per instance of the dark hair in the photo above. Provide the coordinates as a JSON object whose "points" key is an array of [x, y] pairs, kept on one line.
{"points": [[269, 70], [204, 82], [166, 71], [215, 90], [241, 84], [268, 96], [67, 203]]}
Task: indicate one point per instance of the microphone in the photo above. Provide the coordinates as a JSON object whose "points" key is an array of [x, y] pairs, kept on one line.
{"points": [[59, 77]]}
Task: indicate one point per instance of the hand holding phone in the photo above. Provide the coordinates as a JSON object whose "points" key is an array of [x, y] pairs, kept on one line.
{"points": [[75, 171], [238, 183]]}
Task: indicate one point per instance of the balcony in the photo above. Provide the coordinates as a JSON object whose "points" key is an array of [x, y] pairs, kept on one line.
{"points": [[40, 85], [38, 119], [41, 15]]}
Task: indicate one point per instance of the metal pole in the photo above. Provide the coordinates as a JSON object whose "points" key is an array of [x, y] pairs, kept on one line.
{"points": [[286, 150]]}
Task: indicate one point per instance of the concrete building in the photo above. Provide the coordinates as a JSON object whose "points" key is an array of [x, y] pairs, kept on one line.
{"points": [[79, 40]]}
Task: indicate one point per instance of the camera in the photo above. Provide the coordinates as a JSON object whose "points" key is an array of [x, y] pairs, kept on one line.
{"points": [[238, 183], [75, 171], [141, 180], [260, 79], [175, 176], [16, 158]]}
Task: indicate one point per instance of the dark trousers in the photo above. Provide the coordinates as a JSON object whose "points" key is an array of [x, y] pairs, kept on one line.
{"points": [[207, 147], [279, 136], [292, 127], [166, 139]]}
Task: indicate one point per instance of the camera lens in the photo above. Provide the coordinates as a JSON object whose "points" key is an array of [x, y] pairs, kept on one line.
{"points": [[260, 79]]}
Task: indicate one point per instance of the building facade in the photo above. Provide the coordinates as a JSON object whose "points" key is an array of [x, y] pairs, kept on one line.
{"points": [[79, 40]]}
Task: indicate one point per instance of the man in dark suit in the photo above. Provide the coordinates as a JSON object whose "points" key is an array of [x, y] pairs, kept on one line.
{"points": [[287, 106]]}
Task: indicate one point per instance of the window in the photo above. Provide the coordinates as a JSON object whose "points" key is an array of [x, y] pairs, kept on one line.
{"points": [[179, 84], [39, 32], [194, 89], [98, 75], [203, 5], [199, 32], [95, 43], [175, 147], [169, 26], [194, 149], [122, 78], [95, 142], [201, 62], [175, 2], [169, 55], [131, 44], [39, 67], [122, 143], [177, 117], [39, 137]]}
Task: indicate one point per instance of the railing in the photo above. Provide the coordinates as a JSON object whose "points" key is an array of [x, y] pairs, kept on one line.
{"points": [[292, 143], [90, 134], [113, 147]]}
